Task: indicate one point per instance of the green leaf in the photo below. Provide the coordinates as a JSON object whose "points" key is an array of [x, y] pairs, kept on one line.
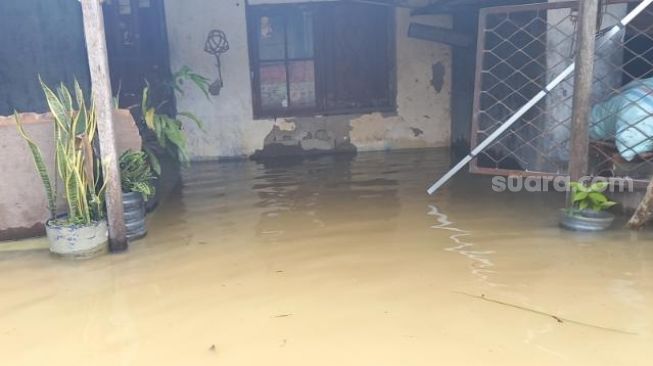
{"points": [[154, 161], [57, 108], [201, 83], [178, 89], [193, 118], [81, 107], [79, 94], [145, 97], [579, 196], [578, 187], [37, 155], [116, 98], [597, 197], [149, 118], [184, 74], [599, 186], [65, 98]]}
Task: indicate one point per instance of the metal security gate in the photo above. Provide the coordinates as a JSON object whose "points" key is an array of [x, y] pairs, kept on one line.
{"points": [[521, 49]]}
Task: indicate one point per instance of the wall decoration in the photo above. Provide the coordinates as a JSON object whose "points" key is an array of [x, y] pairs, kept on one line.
{"points": [[216, 44]]}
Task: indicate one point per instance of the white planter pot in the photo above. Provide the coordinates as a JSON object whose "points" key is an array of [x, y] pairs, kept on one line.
{"points": [[78, 241]]}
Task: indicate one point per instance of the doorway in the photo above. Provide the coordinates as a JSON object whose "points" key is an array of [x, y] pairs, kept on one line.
{"points": [[138, 47]]}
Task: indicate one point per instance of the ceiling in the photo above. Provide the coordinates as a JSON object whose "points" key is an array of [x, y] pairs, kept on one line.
{"points": [[421, 7]]}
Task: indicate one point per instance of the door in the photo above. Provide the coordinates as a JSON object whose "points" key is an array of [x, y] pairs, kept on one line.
{"points": [[137, 46]]}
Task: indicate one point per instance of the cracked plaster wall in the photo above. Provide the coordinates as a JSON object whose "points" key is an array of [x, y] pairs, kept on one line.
{"points": [[423, 115]]}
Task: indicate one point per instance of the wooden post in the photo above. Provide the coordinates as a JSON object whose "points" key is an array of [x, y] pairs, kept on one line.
{"points": [[582, 102], [645, 210], [96, 47]]}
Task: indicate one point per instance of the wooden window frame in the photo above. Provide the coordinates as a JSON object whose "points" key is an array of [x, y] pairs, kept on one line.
{"points": [[320, 108]]}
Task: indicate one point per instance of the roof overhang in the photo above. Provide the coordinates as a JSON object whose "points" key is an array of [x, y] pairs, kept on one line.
{"points": [[424, 7]]}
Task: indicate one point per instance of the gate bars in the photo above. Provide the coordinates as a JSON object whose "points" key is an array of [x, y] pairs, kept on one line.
{"points": [[534, 77]]}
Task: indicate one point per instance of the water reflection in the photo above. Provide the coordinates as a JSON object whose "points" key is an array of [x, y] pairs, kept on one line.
{"points": [[326, 194], [481, 262]]}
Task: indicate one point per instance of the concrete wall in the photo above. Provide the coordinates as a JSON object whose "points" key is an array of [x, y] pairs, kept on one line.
{"points": [[422, 119], [39, 37], [23, 203]]}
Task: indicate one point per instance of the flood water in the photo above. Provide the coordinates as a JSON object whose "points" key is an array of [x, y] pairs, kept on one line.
{"points": [[335, 261]]}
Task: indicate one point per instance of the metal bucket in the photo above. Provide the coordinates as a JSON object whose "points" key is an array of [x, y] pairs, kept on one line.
{"points": [[134, 215], [77, 241], [585, 220]]}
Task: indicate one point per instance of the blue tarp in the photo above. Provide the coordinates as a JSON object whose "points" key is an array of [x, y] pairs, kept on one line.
{"points": [[627, 118]]}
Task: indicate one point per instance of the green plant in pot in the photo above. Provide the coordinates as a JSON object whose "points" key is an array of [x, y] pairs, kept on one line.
{"points": [[167, 127], [137, 180], [163, 127], [588, 208], [81, 231]]}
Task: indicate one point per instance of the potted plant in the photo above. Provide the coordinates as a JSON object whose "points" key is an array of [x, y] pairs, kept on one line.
{"points": [[137, 186], [82, 230], [168, 128], [588, 208]]}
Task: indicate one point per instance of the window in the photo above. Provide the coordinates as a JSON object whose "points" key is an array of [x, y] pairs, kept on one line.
{"points": [[321, 59]]}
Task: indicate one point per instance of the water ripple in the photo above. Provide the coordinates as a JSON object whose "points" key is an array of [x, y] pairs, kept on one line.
{"points": [[482, 264]]}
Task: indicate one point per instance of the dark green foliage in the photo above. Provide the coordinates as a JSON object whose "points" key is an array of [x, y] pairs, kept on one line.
{"points": [[169, 130], [136, 173]]}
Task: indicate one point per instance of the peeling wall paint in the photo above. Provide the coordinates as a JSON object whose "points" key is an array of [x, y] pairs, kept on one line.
{"points": [[438, 76], [423, 98]]}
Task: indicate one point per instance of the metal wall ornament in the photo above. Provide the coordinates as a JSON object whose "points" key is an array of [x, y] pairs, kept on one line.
{"points": [[216, 45]]}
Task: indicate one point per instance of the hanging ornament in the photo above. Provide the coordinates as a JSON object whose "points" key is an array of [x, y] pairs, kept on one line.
{"points": [[216, 44]]}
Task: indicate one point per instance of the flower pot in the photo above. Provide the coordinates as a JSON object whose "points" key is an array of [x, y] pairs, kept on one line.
{"points": [[134, 215], [77, 241], [585, 220]]}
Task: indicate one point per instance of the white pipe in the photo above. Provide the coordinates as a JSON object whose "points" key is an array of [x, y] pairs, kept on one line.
{"points": [[536, 99]]}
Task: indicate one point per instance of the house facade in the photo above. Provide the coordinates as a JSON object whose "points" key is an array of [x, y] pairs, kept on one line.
{"points": [[315, 76], [297, 78], [301, 77]]}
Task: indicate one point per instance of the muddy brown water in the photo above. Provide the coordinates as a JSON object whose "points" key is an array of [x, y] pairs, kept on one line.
{"points": [[338, 261]]}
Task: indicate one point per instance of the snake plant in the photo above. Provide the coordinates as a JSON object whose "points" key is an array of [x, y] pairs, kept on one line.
{"points": [[75, 127]]}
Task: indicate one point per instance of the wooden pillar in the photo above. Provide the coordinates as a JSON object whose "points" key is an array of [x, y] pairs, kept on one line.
{"points": [[98, 63], [644, 211], [582, 102]]}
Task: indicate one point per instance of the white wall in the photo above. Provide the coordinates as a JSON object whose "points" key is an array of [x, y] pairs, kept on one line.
{"points": [[230, 130], [423, 118]]}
